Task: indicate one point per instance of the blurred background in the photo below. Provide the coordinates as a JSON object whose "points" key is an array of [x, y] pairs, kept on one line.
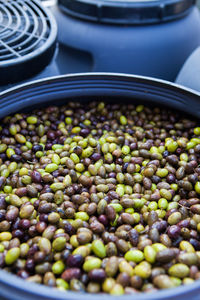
{"points": [[157, 51], [50, 2]]}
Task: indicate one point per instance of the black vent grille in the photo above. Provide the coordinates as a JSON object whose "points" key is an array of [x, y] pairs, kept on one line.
{"points": [[27, 31]]}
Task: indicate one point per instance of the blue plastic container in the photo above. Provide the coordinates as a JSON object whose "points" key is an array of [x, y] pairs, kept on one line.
{"points": [[81, 87], [152, 38]]}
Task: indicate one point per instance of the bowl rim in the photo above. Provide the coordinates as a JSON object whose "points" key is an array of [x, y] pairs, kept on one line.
{"points": [[114, 75], [15, 283]]}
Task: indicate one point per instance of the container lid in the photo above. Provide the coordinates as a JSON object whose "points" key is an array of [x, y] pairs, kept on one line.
{"points": [[127, 11], [27, 39]]}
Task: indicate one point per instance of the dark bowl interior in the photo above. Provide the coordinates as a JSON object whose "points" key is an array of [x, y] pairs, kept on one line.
{"points": [[84, 87]]}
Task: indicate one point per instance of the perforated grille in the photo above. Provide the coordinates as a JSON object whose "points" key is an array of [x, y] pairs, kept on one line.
{"points": [[25, 30]]}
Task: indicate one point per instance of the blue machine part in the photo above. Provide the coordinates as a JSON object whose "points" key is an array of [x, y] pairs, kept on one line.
{"points": [[151, 38]]}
